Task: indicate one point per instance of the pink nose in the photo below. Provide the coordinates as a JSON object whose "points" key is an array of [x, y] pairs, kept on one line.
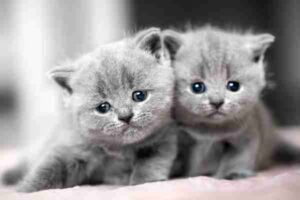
{"points": [[217, 105], [126, 118]]}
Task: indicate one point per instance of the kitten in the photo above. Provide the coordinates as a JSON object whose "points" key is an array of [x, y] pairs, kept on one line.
{"points": [[219, 79], [117, 127]]}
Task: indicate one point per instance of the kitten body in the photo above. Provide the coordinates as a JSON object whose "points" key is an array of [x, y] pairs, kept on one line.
{"points": [[219, 79], [116, 127]]}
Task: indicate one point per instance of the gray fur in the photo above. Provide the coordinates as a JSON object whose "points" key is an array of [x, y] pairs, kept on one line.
{"points": [[238, 139], [93, 148]]}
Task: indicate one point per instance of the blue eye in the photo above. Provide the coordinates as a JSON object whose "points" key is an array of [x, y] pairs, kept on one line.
{"points": [[233, 86], [198, 87], [103, 108], [139, 96]]}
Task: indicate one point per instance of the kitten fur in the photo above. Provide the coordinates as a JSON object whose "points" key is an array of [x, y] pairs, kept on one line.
{"points": [[91, 147], [238, 138]]}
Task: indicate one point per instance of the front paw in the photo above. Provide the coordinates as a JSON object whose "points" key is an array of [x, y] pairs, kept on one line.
{"points": [[11, 177], [34, 185], [25, 188], [239, 175]]}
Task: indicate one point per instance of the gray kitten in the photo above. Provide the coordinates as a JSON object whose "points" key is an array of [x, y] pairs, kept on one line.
{"points": [[219, 79], [117, 126]]}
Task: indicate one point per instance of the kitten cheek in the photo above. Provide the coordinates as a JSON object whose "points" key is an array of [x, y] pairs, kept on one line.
{"points": [[107, 129], [187, 103], [142, 119], [230, 109], [200, 107], [94, 132], [237, 108]]}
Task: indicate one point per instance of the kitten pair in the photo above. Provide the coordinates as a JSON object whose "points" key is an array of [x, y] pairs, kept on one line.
{"points": [[219, 79], [117, 126]]}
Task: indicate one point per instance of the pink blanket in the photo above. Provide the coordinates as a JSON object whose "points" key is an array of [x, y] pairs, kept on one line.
{"points": [[278, 183]]}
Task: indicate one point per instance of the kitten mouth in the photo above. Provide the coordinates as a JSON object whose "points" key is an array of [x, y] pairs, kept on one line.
{"points": [[216, 114], [129, 126], [126, 128]]}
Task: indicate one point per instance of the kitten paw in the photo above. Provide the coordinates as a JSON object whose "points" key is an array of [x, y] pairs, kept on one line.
{"points": [[11, 177], [29, 186], [25, 189]]}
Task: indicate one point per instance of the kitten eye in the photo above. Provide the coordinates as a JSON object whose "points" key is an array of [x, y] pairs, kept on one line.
{"points": [[103, 108], [139, 96], [198, 87], [233, 86]]}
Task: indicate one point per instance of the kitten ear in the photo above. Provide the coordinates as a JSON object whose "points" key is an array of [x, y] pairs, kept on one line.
{"points": [[150, 40], [172, 41], [61, 75], [258, 45]]}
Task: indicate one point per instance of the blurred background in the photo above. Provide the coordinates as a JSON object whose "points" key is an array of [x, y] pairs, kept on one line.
{"points": [[36, 35]]}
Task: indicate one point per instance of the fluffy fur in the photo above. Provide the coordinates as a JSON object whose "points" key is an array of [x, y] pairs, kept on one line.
{"points": [[92, 147], [237, 138]]}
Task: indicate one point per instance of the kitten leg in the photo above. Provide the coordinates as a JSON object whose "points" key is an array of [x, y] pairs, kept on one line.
{"points": [[156, 166], [54, 171], [204, 159], [239, 159]]}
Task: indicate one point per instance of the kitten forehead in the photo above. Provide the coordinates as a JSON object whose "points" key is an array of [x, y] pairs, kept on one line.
{"points": [[213, 52], [113, 75], [113, 69]]}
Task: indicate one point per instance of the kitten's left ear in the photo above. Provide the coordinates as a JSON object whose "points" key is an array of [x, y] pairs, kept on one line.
{"points": [[258, 45], [150, 40], [61, 75]]}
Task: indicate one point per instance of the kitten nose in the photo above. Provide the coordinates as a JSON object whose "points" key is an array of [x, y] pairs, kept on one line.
{"points": [[217, 104], [125, 118]]}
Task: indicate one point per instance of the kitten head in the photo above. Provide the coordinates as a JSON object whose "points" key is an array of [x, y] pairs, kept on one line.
{"points": [[121, 93], [219, 74]]}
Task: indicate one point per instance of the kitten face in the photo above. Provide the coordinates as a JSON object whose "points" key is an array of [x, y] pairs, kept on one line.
{"points": [[219, 75], [120, 95]]}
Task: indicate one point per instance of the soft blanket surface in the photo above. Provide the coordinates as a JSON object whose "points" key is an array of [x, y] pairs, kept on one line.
{"points": [[276, 183]]}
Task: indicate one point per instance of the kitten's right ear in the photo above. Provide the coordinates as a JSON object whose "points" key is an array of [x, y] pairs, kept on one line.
{"points": [[61, 75], [172, 41], [150, 40], [258, 44]]}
